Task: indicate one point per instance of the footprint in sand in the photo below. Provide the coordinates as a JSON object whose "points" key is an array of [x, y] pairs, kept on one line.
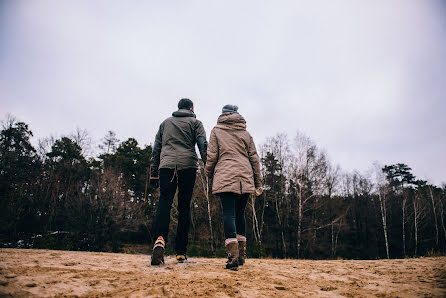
{"points": [[327, 289], [53, 282], [10, 276], [3, 283], [31, 285]]}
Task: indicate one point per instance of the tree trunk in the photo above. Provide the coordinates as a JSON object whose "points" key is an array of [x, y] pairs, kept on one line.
{"points": [[332, 240], [146, 184], [415, 213], [404, 226], [299, 225], [382, 204], [442, 218], [281, 228], [435, 215], [255, 223], [337, 235], [205, 183]]}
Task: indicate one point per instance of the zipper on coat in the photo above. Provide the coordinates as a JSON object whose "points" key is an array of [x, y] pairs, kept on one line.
{"points": [[241, 190]]}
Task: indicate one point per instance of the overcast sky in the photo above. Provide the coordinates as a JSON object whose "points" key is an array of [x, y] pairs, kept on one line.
{"points": [[366, 80]]}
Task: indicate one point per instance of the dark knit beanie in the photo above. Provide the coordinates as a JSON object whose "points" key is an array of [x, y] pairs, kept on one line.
{"points": [[230, 109]]}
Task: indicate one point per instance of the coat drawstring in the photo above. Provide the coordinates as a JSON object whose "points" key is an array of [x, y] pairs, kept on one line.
{"points": [[175, 174]]}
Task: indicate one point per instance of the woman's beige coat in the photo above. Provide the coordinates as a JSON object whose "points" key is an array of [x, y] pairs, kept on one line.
{"points": [[232, 159]]}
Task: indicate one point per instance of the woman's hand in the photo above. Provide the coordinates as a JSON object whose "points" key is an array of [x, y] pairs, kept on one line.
{"points": [[259, 191]]}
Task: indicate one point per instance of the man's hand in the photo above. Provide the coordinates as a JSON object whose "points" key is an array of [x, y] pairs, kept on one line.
{"points": [[154, 182]]}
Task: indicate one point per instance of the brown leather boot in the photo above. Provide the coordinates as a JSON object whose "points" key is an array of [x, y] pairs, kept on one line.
{"points": [[242, 252], [233, 254]]}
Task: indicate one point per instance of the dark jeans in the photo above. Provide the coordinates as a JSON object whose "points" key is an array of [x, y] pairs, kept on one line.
{"points": [[233, 206], [169, 181]]}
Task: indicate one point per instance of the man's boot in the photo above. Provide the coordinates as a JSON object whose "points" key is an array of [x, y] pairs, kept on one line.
{"points": [[242, 249], [158, 251], [181, 258], [232, 252]]}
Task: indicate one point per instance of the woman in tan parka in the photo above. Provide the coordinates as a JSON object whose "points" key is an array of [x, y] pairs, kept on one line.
{"points": [[234, 165]]}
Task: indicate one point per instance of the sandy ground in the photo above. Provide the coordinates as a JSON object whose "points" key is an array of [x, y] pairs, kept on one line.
{"points": [[65, 273]]}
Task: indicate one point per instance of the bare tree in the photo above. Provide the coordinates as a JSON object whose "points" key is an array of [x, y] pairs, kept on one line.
{"points": [[403, 221], [279, 147], [382, 189], [109, 142], [419, 208], [44, 146], [308, 173], [441, 207], [331, 182], [83, 139], [257, 228], [258, 224], [416, 214], [431, 190]]}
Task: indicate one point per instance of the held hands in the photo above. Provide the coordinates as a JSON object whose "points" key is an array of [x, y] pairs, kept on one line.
{"points": [[154, 182], [259, 191]]}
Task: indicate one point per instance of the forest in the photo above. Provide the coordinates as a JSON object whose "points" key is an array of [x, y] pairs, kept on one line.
{"points": [[60, 195]]}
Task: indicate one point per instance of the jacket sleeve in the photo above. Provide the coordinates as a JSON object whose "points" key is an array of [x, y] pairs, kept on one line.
{"points": [[201, 141], [212, 154], [156, 152], [255, 163]]}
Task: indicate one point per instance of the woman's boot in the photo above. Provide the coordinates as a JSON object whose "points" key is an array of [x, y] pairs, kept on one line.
{"points": [[231, 245], [242, 249]]}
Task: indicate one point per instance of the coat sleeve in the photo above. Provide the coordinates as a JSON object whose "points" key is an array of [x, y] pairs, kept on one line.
{"points": [[212, 154], [255, 163], [156, 152], [201, 141]]}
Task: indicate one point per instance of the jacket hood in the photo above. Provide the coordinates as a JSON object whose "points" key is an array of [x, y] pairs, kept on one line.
{"points": [[231, 121], [183, 113]]}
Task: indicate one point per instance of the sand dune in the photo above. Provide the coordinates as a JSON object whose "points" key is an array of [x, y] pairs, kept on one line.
{"points": [[66, 273]]}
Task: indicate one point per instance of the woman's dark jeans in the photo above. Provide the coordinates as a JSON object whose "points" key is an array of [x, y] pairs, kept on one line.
{"points": [[233, 206], [169, 181]]}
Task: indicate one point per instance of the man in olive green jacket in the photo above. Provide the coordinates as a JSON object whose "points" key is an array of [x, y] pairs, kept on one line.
{"points": [[174, 165]]}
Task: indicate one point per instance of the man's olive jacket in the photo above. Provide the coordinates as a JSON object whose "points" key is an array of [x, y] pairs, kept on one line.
{"points": [[174, 146]]}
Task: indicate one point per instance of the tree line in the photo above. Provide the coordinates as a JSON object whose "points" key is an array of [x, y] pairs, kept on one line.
{"points": [[56, 195]]}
